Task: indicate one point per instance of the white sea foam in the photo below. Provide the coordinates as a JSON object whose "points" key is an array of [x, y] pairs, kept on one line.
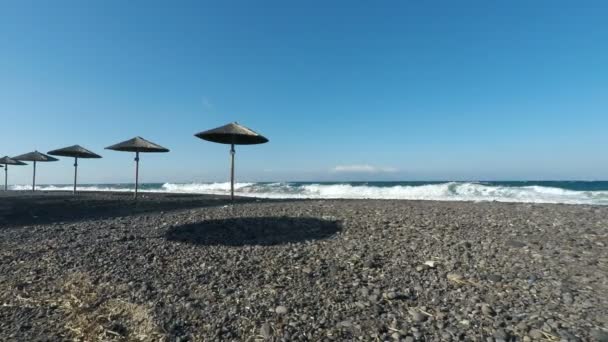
{"points": [[450, 191], [198, 188]]}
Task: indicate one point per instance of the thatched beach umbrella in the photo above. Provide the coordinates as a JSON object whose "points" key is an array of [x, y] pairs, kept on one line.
{"points": [[75, 151], [35, 157], [232, 134], [137, 144], [6, 160]]}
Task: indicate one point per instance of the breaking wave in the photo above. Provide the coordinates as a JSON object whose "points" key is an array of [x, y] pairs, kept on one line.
{"points": [[447, 191]]}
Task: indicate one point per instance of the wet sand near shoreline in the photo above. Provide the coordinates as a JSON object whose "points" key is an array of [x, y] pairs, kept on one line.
{"points": [[173, 267]]}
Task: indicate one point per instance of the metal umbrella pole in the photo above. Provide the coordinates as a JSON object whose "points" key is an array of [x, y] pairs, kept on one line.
{"points": [[136, 173], [75, 173], [34, 178], [5, 177], [232, 152]]}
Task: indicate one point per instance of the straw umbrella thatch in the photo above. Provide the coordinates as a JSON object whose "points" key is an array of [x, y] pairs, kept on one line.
{"points": [[75, 151], [137, 145], [232, 134], [6, 160], [35, 157]]}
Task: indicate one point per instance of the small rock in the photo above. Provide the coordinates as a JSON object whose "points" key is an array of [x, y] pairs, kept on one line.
{"points": [[344, 324], [265, 331], [522, 326], [500, 334], [281, 310], [430, 263], [391, 295], [418, 316], [536, 334], [567, 298], [494, 278], [487, 310]]}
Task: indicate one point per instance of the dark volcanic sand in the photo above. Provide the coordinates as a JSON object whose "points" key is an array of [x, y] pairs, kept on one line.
{"points": [[187, 268]]}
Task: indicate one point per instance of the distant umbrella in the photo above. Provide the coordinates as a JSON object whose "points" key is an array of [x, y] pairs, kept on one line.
{"points": [[232, 134], [35, 157], [137, 144], [8, 161], [75, 151]]}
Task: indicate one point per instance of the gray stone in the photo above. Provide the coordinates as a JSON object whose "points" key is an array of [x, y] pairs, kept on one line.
{"points": [[494, 278], [522, 326], [536, 334], [281, 310], [418, 316], [567, 298], [266, 331], [344, 324], [487, 310], [500, 334]]}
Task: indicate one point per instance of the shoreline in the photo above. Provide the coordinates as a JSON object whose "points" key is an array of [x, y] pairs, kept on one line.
{"points": [[151, 194], [191, 267]]}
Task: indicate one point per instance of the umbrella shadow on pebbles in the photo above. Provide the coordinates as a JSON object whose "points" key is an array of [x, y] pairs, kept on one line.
{"points": [[251, 231], [23, 209]]}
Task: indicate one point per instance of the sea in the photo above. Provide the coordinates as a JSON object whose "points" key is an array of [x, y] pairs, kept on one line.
{"points": [[568, 192]]}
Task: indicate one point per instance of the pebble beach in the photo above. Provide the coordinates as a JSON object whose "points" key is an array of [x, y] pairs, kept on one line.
{"points": [[101, 267]]}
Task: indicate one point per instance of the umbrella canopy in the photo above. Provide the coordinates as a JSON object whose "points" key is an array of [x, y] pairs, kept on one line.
{"points": [[137, 145], [6, 160], [35, 157], [233, 134], [75, 151]]}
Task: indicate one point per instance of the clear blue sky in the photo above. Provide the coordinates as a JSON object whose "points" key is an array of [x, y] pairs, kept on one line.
{"points": [[407, 90]]}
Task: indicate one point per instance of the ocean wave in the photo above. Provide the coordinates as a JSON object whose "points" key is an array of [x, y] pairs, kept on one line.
{"points": [[197, 188], [448, 191]]}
